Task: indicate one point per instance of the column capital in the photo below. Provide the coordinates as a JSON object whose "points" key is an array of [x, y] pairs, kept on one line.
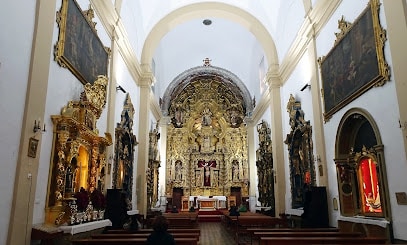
{"points": [[147, 78], [273, 77]]}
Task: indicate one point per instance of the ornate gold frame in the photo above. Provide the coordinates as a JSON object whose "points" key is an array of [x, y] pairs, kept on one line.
{"points": [[353, 65], [79, 47]]}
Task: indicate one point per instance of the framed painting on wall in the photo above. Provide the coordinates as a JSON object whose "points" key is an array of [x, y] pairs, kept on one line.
{"points": [[32, 147], [356, 62], [79, 47]]}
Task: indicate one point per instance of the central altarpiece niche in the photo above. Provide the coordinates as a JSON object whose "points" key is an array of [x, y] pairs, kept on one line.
{"points": [[207, 140]]}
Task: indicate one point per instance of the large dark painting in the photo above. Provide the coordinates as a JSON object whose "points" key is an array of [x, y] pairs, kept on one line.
{"points": [[356, 62], [79, 47]]}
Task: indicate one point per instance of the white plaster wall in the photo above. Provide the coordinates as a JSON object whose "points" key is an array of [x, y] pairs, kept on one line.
{"points": [[15, 50], [382, 104], [131, 16], [253, 83], [287, 19]]}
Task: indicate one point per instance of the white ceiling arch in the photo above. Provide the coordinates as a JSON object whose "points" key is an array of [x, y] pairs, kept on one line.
{"points": [[202, 10]]}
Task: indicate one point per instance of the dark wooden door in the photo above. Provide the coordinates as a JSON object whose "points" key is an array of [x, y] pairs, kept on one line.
{"points": [[177, 194], [235, 191]]}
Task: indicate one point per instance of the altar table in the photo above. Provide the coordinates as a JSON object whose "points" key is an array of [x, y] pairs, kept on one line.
{"points": [[207, 203]]}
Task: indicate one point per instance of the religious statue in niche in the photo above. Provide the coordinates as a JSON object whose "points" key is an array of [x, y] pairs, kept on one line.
{"points": [[207, 170], [178, 119], [235, 170], [178, 170], [206, 117], [198, 178], [299, 141], [234, 116]]}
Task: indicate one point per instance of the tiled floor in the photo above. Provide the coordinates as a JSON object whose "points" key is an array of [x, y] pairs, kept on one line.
{"points": [[215, 233]]}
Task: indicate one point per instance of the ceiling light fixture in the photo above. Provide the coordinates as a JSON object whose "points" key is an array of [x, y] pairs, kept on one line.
{"points": [[207, 22]]}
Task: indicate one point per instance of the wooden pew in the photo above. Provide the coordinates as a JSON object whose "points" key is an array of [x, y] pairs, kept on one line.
{"points": [[320, 240], [329, 229], [305, 234], [129, 241], [171, 230], [142, 235], [251, 230], [178, 222], [242, 223]]}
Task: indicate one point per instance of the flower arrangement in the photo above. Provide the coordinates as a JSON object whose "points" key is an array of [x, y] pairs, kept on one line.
{"points": [[82, 199], [98, 200]]}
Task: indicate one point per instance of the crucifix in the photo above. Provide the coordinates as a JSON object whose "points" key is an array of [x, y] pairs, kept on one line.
{"points": [[207, 170]]}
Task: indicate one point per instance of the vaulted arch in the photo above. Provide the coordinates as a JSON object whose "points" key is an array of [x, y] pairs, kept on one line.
{"points": [[216, 9]]}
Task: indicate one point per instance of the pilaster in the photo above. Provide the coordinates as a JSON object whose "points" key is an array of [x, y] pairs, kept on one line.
{"points": [[277, 139], [143, 135], [396, 14], [318, 124], [21, 214], [252, 159]]}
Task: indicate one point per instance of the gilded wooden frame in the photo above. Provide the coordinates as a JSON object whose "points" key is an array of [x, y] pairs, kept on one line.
{"points": [[79, 47], [356, 63]]}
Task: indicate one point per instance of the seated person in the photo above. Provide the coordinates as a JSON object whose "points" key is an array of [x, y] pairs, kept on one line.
{"points": [[174, 209], [160, 234], [233, 211], [242, 208]]}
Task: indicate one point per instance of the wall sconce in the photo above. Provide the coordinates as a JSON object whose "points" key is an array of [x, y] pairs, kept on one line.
{"points": [[120, 88], [38, 127], [305, 86], [403, 125]]}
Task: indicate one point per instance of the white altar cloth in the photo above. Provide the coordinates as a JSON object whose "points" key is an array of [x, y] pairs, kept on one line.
{"points": [[132, 212], [75, 229]]}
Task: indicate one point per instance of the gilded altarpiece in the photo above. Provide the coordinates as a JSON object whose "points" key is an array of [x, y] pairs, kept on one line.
{"points": [[153, 168], [79, 153], [265, 168], [125, 143], [207, 141], [300, 148]]}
